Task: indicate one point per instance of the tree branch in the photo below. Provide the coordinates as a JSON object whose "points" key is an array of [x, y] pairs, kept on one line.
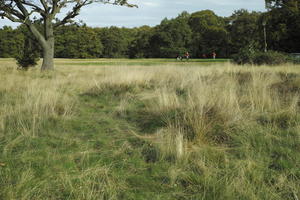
{"points": [[43, 2], [48, 10], [10, 17], [73, 13], [11, 13], [37, 34], [35, 7], [21, 7]]}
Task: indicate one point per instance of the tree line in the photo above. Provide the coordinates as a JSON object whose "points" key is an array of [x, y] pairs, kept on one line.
{"points": [[199, 33]]}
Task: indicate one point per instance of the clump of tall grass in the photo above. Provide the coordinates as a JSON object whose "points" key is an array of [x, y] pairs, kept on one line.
{"points": [[27, 102], [212, 120]]}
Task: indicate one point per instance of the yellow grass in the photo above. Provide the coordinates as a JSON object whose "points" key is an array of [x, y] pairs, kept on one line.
{"points": [[207, 89]]}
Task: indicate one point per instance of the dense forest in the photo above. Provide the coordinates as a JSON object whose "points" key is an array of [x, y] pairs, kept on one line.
{"points": [[199, 33]]}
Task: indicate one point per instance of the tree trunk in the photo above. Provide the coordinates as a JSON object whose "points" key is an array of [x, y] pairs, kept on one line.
{"points": [[46, 41], [48, 55], [48, 49]]}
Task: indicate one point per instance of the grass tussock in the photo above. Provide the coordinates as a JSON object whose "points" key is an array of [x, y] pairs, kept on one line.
{"points": [[141, 132]]}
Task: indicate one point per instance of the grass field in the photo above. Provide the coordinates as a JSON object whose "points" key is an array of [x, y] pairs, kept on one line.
{"points": [[139, 62], [149, 129]]}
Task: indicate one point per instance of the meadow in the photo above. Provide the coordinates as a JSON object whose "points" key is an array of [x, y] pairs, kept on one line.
{"points": [[149, 129]]}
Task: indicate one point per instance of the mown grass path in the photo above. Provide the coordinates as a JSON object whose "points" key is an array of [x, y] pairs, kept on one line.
{"points": [[68, 155]]}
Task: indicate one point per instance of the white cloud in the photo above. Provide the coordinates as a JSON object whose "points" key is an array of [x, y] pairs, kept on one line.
{"points": [[152, 12], [150, 4]]}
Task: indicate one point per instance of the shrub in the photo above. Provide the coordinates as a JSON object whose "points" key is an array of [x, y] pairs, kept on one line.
{"points": [[245, 56], [260, 58], [269, 58], [295, 60], [27, 60], [29, 56]]}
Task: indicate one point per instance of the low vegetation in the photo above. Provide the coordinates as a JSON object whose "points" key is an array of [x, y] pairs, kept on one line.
{"points": [[164, 131], [250, 56], [29, 56]]}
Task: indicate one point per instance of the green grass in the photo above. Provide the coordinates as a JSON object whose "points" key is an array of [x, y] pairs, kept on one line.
{"points": [[94, 138], [142, 62], [94, 133]]}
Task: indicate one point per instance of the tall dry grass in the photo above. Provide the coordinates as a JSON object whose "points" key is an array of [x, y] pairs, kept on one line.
{"points": [[210, 111], [207, 112]]}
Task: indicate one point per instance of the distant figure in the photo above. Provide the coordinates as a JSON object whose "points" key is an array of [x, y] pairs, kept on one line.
{"points": [[179, 57], [214, 55], [204, 56], [187, 55]]}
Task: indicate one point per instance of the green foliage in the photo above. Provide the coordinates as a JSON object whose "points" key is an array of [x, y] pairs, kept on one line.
{"points": [[269, 58], [27, 59], [209, 34], [115, 41], [244, 30], [246, 55], [140, 46], [295, 60], [77, 41], [283, 25], [30, 54], [202, 20], [11, 42], [250, 56], [290, 4], [171, 37], [199, 33]]}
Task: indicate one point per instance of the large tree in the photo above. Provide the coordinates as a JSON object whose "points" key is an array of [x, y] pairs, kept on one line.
{"points": [[245, 30], [283, 25], [77, 41], [209, 33], [171, 38], [25, 12], [292, 4], [11, 41]]}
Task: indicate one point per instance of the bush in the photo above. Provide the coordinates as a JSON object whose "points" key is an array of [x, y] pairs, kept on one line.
{"points": [[245, 55], [260, 58], [295, 60], [27, 60], [30, 55], [269, 58]]}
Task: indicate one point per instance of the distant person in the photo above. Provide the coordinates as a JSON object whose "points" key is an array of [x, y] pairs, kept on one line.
{"points": [[214, 55], [179, 57], [187, 55], [204, 56]]}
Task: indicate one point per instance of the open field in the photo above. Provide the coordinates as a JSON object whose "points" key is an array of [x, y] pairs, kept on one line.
{"points": [[138, 62], [149, 129]]}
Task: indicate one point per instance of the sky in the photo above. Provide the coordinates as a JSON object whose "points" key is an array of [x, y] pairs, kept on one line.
{"points": [[151, 12]]}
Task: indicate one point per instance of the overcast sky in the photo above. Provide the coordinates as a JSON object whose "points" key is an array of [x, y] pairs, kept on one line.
{"points": [[151, 12]]}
